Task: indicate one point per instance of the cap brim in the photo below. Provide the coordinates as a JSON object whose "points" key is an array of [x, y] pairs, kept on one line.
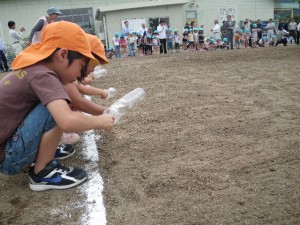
{"points": [[36, 53]]}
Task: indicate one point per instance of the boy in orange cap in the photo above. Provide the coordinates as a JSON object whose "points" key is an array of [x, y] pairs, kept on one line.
{"points": [[75, 91], [34, 107]]}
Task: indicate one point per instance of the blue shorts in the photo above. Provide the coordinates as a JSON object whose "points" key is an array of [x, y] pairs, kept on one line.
{"points": [[170, 45], [22, 146]]}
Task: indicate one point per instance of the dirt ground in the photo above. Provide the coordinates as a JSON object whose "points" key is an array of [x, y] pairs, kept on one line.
{"points": [[215, 141]]}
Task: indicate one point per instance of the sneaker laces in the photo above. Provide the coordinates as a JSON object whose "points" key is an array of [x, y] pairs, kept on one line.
{"points": [[62, 168]]}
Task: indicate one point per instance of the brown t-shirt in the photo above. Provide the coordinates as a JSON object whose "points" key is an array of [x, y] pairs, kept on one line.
{"points": [[21, 91]]}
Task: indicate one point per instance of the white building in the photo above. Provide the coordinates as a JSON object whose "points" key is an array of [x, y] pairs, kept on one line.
{"points": [[113, 12]]}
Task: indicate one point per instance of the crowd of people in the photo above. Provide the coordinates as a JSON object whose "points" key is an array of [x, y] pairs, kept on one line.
{"points": [[229, 35]]}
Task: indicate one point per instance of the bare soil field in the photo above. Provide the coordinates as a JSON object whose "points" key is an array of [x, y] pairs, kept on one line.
{"points": [[215, 141]]}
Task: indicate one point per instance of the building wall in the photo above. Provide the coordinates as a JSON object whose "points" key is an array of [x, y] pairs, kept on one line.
{"points": [[27, 12], [175, 13], [207, 10]]}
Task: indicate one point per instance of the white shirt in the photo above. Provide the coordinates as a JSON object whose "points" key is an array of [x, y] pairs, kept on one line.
{"points": [[177, 38], [116, 41], [142, 31], [216, 28], [162, 31], [298, 27], [270, 26], [15, 36]]}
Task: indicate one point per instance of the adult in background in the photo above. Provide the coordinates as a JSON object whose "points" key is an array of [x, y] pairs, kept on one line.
{"points": [[161, 29], [35, 34], [270, 28], [292, 27], [259, 29], [3, 58], [126, 31], [144, 31], [229, 25], [223, 30], [15, 37], [298, 33], [282, 28], [216, 30]]}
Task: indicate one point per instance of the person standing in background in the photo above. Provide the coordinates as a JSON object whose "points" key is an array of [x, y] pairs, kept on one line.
{"points": [[229, 25], [216, 30], [270, 28], [15, 37], [3, 58], [282, 27], [292, 27], [161, 29], [126, 31], [35, 34], [259, 29], [298, 33]]}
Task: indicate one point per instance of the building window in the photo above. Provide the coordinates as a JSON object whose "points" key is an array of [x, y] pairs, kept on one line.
{"points": [[191, 16], [154, 22], [83, 17]]}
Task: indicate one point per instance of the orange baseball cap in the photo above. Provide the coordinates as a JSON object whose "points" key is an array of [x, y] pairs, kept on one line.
{"points": [[97, 48], [61, 34]]}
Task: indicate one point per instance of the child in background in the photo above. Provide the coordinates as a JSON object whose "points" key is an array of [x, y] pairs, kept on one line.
{"points": [[116, 43], [238, 38], [123, 45], [273, 40], [254, 35], [131, 40], [207, 44], [196, 40], [219, 44], [140, 44], [262, 42], [46, 113], [170, 40], [246, 36], [191, 44], [177, 41], [155, 42], [185, 39], [148, 44], [201, 38], [225, 43], [110, 52]]}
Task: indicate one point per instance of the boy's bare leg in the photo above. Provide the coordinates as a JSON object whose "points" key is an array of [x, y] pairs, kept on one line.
{"points": [[47, 148]]}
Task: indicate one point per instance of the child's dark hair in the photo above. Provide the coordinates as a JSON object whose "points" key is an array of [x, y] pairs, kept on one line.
{"points": [[11, 24], [72, 55]]}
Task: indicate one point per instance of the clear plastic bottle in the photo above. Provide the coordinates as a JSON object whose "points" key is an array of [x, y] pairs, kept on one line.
{"points": [[124, 104], [99, 72], [111, 92], [133, 97]]}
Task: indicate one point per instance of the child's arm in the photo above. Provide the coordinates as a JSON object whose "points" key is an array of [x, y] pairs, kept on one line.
{"points": [[73, 121], [82, 104], [88, 90]]}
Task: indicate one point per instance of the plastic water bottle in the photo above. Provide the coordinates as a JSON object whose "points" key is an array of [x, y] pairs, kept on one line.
{"points": [[133, 97], [99, 72], [111, 92], [124, 104]]}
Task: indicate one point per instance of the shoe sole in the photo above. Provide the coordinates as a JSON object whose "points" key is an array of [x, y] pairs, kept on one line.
{"points": [[65, 157], [37, 187]]}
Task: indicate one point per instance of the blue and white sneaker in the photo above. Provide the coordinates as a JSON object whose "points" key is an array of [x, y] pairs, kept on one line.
{"points": [[64, 151], [56, 176]]}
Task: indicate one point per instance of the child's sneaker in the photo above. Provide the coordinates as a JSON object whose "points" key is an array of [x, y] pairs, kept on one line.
{"points": [[56, 176], [70, 138], [64, 151]]}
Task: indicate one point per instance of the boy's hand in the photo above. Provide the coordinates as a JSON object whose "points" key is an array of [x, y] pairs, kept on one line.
{"points": [[103, 94], [107, 121]]}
